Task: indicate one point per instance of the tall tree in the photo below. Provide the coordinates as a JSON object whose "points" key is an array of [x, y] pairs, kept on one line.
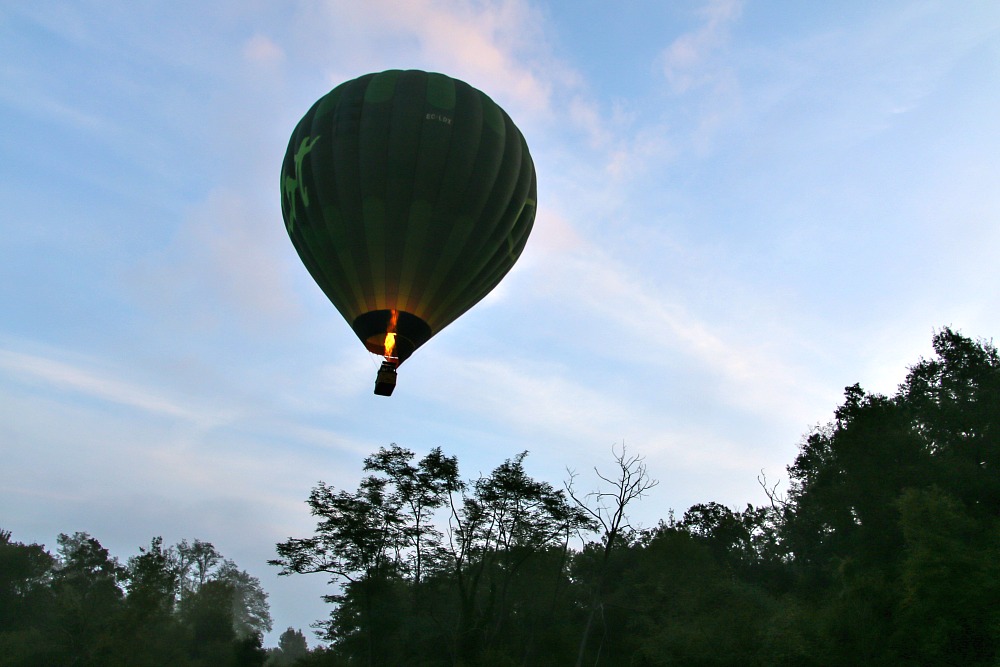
{"points": [[26, 603], [506, 522], [25, 573], [401, 582], [954, 400], [417, 490], [88, 599], [859, 484], [607, 508], [152, 579], [249, 611], [195, 562], [370, 541], [150, 634], [950, 581]]}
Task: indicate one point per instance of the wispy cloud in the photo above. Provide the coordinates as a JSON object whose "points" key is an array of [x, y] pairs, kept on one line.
{"points": [[494, 45], [584, 277], [229, 260], [533, 397], [100, 384], [499, 46], [689, 61], [262, 50]]}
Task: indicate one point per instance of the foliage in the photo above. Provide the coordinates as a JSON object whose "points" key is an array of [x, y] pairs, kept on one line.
{"points": [[292, 647], [896, 502], [883, 552], [456, 589], [83, 607]]}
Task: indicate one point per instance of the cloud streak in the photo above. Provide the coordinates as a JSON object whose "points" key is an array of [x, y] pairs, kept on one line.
{"points": [[656, 325], [88, 382]]}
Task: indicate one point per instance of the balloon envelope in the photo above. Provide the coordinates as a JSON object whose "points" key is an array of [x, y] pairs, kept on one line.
{"points": [[408, 196]]}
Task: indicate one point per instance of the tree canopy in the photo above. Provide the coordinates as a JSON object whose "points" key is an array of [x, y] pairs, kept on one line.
{"points": [[183, 605]]}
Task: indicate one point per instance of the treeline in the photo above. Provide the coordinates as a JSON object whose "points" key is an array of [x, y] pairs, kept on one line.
{"points": [[184, 606], [882, 550]]}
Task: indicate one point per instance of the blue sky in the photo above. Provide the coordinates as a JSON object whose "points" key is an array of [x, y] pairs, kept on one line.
{"points": [[743, 208]]}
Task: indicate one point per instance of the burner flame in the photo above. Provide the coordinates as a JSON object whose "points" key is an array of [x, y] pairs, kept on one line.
{"points": [[390, 335]]}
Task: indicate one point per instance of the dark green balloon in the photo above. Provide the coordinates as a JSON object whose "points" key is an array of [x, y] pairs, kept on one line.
{"points": [[408, 195]]}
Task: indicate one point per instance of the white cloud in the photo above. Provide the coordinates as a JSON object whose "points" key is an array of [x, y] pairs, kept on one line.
{"points": [[261, 49], [688, 62], [89, 382], [498, 46], [495, 46]]}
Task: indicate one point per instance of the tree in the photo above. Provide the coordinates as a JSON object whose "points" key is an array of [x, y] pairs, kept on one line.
{"points": [[84, 608], [207, 616], [355, 538], [291, 647], [150, 634], [249, 651], [685, 607], [249, 610], [744, 542], [858, 485], [152, 578], [369, 541], [954, 400], [26, 603], [506, 521], [25, 573], [607, 509], [950, 580], [404, 584], [87, 599], [195, 562], [223, 609], [417, 492]]}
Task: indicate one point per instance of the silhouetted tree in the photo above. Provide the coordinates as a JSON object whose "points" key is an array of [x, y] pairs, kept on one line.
{"points": [[86, 584], [606, 508], [403, 583], [417, 490], [250, 612], [291, 647], [26, 603], [84, 608], [150, 634], [370, 541], [195, 563], [505, 521], [870, 493], [882, 551], [152, 578]]}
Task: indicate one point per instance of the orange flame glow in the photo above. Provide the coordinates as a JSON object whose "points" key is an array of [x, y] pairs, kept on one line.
{"points": [[390, 335]]}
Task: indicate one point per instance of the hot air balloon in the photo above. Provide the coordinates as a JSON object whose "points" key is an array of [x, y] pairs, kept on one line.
{"points": [[408, 195]]}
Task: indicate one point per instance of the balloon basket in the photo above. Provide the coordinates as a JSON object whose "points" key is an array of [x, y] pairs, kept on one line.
{"points": [[385, 381]]}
